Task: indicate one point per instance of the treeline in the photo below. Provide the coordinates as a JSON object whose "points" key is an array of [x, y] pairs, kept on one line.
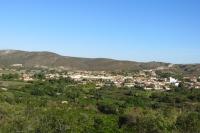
{"points": [[62, 105]]}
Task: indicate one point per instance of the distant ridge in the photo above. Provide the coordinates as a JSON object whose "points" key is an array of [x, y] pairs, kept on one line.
{"points": [[49, 59]]}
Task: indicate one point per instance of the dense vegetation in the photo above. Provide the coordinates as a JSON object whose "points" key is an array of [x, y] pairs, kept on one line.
{"points": [[60, 106]]}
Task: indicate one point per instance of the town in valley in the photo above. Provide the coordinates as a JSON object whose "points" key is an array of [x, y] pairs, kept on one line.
{"points": [[153, 79]]}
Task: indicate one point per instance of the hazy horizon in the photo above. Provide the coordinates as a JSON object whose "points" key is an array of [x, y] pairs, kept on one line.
{"points": [[143, 31]]}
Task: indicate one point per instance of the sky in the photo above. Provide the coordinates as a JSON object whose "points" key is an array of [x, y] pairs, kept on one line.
{"points": [[138, 30]]}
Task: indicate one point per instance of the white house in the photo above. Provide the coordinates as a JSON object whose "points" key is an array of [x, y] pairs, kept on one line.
{"points": [[173, 80], [17, 65]]}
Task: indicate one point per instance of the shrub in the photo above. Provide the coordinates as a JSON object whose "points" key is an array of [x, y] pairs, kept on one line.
{"points": [[37, 91], [107, 108], [189, 123], [127, 120]]}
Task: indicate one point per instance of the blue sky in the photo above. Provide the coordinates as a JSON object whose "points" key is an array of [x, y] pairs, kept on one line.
{"points": [[139, 30]]}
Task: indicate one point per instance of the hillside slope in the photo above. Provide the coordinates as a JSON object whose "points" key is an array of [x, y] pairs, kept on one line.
{"points": [[30, 59]]}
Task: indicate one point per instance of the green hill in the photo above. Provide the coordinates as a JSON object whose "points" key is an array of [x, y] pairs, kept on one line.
{"points": [[30, 59]]}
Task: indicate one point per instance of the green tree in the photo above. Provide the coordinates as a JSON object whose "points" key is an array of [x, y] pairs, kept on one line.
{"points": [[189, 123]]}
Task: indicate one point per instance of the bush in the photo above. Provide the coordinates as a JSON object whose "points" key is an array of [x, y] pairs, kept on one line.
{"points": [[107, 108], [52, 122], [189, 123], [127, 120], [37, 91], [10, 76]]}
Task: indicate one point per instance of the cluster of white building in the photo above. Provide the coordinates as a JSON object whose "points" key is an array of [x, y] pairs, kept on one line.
{"points": [[142, 80], [146, 79]]}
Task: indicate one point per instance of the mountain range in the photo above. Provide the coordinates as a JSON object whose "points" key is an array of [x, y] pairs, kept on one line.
{"points": [[49, 59]]}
